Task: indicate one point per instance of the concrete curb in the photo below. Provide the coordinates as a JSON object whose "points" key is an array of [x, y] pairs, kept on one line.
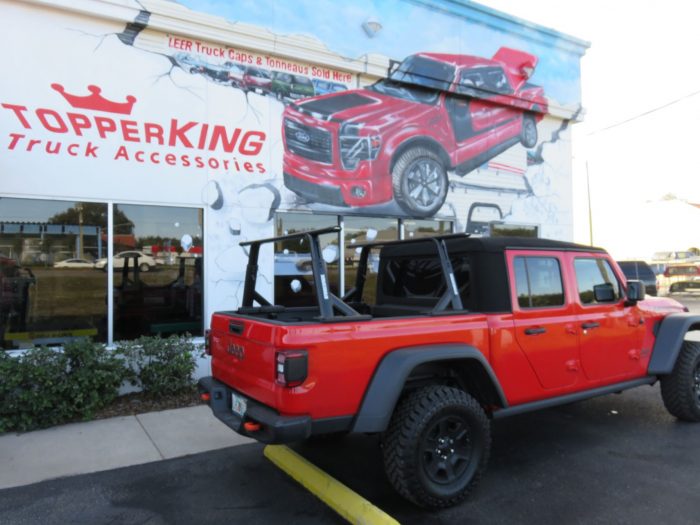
{"points": [[350, 505], [105, 444]]}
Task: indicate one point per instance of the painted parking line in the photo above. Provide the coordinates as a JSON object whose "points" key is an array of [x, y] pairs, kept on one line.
{"points": [[346, 502]]}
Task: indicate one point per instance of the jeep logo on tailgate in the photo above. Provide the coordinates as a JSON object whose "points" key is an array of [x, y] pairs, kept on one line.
{"points": [[236, 351]]}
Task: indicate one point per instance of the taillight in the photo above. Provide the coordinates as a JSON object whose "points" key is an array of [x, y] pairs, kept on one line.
{"points": [[207, 342], [291, 367]]}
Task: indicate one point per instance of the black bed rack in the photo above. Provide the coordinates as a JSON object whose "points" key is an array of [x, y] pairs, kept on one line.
{"points": [[451, 295], [327, 301]]}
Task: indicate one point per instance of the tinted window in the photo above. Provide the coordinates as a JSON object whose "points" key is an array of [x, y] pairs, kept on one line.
{"points": [[591, 273], [538, 282], [422, 277], [424, 72], [636, 270]]}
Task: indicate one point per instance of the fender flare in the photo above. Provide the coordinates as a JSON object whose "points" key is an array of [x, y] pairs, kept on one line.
{"points": [[389, 378], [669, 340]]}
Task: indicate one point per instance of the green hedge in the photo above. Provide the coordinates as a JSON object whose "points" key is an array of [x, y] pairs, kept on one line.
{"points": [[45, 387]]}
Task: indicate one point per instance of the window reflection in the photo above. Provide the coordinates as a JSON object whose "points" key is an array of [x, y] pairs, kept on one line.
{"points": [[294, 283], [157, 270], [361, 230], [414, 229], [50, 292]]}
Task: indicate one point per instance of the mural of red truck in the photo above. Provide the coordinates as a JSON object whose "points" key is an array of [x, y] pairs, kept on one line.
{"points": [[398, 138]]}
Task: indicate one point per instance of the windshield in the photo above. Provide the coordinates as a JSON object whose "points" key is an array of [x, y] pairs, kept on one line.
{"points": [[302, 80], [406, 91]]}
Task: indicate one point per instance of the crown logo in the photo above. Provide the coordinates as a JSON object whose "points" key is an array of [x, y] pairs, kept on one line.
{"points": [[96, 101]]}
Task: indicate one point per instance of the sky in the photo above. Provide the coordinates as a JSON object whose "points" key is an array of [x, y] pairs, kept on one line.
{"points": [[643, 56]]}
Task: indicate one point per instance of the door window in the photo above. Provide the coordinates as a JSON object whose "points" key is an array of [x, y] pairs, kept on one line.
{"points": [[538, 282], [592, 272]]}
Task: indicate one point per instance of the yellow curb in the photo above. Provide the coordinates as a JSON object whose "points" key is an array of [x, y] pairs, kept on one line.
{"points": [[350, 505]]}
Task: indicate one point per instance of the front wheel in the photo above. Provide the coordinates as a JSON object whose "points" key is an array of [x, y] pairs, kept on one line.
{"points": [[144, 267], [437, 446], [528, 135], [419, 182], [681, 389]]}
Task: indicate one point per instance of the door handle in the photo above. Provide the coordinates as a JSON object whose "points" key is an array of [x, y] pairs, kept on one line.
{"points": [[588, 326], [535, 331]]}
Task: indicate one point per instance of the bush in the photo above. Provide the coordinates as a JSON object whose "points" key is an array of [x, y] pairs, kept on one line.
{"points": [[44, 386], [160, 367]]}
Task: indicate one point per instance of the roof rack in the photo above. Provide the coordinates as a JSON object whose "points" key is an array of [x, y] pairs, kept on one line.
{"points": [[451, 295], [327, 301]]}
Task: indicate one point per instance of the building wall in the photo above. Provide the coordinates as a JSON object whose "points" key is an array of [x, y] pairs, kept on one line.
{"points": [[127, 102]]}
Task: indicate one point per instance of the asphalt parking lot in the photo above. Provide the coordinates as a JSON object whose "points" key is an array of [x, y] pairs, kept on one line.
{"points": [[615, 459]]}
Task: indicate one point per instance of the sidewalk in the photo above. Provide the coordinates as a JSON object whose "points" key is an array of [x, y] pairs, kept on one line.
{"points": [[107, 444]]}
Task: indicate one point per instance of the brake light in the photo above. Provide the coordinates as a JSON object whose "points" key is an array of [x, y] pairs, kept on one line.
{"points": [[207, 342], [291, 367]]}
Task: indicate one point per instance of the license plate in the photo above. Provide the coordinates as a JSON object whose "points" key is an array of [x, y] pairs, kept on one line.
{"points": [[259, 90], [239, 404]]}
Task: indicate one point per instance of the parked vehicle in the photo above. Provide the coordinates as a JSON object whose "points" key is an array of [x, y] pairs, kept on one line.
{"points": [[74, 263], [287, 86], [235, 74], [399, 137], [322, 87], [639, 270], [679, 278], [454, 332], [145, 262], [257, 80]]}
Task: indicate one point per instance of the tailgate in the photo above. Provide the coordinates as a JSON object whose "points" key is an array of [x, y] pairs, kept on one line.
{"points": [[243, 356]]}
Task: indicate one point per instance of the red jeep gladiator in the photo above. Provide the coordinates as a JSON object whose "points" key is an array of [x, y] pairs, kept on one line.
{"points": [[450, 333], [397, 138]]}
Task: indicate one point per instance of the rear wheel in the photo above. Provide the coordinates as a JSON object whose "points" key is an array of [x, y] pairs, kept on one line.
{"points": [[419, 182], [437, 446], [528, 135], [681, 389], [144, 267]]}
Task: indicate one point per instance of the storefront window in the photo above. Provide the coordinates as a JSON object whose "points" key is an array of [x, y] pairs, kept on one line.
{"points": [[414, 229], [361, 230], [50, 291], [294, 284], [157, 265]]}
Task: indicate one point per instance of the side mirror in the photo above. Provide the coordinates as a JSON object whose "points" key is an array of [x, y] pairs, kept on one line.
{"points": [[635, 292], [604, 293]]}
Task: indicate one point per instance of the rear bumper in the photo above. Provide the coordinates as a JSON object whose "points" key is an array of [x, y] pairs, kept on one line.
{"points": [[274, 428]]}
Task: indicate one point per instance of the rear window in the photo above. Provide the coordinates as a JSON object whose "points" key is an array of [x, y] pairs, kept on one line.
{"points": [[681, 270], [419, 278]]}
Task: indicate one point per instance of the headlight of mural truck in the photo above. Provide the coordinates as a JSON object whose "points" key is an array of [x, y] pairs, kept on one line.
{"points": [[398, 138]]}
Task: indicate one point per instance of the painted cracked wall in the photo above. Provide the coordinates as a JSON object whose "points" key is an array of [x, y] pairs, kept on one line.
{"points": [[120, 112]]}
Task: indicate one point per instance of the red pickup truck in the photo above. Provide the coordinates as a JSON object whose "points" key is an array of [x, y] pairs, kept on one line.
{"points": [[454, 332], [399, 137]]}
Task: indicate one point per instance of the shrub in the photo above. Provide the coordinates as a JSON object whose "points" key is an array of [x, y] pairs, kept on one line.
{"points": [[160, 367], [45, 387]]}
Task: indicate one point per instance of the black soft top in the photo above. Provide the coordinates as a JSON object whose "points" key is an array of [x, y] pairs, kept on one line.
{"points": [[460, 244], [490, 291]]}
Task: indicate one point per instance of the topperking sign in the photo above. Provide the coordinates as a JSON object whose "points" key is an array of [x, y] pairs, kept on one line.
{"points": [[84, 126]]}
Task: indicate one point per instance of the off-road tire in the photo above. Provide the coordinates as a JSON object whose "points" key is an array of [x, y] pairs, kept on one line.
{"points": [[416, 428], [528, 134], [681, 389], [419, 198]]}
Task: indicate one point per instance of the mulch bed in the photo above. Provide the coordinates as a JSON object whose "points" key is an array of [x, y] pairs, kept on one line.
{"points": [[139, 403]]}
